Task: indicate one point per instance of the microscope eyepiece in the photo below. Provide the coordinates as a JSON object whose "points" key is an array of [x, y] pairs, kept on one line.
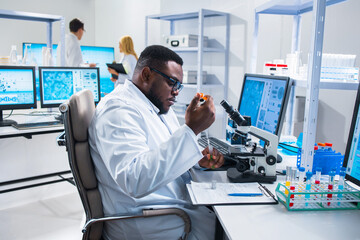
{"points": [[233, 114]]}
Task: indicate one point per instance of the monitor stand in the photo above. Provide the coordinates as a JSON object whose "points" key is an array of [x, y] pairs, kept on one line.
{"points": [[5, 122]]}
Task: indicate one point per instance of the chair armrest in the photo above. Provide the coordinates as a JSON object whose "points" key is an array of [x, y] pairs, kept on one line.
{"points": [[61, 139], [147, 213]]}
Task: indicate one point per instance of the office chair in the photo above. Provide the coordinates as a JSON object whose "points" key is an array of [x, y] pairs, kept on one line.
{"points": [[77, 113]]}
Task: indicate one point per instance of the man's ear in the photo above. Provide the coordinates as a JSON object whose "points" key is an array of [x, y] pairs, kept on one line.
{"points": [[145, 74]]}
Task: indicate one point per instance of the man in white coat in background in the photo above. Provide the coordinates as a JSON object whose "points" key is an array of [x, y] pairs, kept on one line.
{"points": [[73, 55], [142, 155]]}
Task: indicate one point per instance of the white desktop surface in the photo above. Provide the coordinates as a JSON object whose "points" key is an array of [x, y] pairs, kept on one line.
{"points": [[12, 131], [261, 222]]}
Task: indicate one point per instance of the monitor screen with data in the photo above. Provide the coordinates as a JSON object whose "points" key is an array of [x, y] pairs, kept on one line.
{"points": [[352, 154], [58, 84], [17, 89], [91, 54], [264, 98]]}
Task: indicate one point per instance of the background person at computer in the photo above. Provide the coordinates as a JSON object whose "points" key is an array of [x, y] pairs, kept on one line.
{"points": [[73, 55], [142, 155], [128, 59]]}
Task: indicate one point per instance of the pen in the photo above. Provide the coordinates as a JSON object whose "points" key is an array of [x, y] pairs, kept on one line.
{"points": [[245, 194]]}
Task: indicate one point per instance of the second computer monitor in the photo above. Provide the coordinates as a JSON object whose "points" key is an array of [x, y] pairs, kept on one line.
{"points": [[57, 84], [264, 98]]}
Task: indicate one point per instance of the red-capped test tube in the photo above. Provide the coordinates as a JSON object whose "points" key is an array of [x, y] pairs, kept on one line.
{"points": [[330, 186], [292, 186], [318, 176]]}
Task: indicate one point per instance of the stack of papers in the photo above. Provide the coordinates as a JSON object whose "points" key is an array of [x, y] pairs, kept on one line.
{"points": [[203, 193]]}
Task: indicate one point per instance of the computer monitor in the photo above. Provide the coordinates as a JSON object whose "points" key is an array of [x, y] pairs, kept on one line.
{"points": [[91, 54], [264, 98], [352, 152], [57, 84], [17, 90]]}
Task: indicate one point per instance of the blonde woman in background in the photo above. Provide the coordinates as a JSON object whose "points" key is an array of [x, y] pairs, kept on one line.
{"points": [[129, 60]]}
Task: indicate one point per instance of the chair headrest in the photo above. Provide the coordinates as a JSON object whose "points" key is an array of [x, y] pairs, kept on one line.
{"points": [[82, 110]]}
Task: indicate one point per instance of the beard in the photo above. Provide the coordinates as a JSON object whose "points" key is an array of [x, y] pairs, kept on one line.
{"points": [[156, 101]]}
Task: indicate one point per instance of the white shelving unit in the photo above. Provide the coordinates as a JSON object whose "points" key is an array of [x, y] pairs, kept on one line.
{"points": [[39, 17], [200, 50], [312, 84]]}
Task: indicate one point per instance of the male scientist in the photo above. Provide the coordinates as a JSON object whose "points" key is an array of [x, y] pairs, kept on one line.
{"points": [[142, 155], [73, 55]]}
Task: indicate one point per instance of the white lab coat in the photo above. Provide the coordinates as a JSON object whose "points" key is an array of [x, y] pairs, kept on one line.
{"points": [[73, 55], [129, 62], [139, 159]]}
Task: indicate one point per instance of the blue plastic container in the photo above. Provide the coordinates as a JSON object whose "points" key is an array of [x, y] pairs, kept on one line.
{"points": [[326, 160]]}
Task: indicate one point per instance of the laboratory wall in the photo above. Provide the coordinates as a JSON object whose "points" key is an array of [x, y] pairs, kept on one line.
{"points": [[107, 20]]}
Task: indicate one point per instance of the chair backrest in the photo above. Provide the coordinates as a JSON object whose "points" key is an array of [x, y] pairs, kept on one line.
{"points": [[78, 112]]}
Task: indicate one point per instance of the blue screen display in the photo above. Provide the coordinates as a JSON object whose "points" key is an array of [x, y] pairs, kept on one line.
{"points": [[353, 161], [58, 84], [262, 100], [91, 54], [16, 86]]}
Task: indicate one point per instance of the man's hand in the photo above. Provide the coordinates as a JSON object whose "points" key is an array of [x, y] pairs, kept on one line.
{"points": [[200, 117], [212, 161]]}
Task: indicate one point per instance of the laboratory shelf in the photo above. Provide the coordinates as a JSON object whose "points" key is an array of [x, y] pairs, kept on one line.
{"points": [[208, 85], [196, 49], [329, 85], [185, 16], [9, 14], [40, 17], [221, 49], [290, 7], [312, 83]]}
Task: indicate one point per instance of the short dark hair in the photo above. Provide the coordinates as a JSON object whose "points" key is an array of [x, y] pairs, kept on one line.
{"points": [[156, 56], [75, 25]]}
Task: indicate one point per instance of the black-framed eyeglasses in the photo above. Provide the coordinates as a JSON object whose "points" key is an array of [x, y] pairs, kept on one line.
{"points": [[177, 84]]}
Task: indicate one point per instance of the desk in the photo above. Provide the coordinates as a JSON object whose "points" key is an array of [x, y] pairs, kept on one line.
{"points": [[261, 222], [37, 180]]}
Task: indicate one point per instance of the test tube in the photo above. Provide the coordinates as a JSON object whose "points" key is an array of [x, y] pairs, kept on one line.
{"points": [[287, 181], [317, 179], [341, 182], [330, 186], [318, 175], [308, 187], [292, 186], [301, 174]]}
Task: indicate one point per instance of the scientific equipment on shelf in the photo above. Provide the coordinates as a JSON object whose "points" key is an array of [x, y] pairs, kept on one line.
{"points": [[186, 40], [13, 55], [334, 67], [317, 197], [190, 77]]}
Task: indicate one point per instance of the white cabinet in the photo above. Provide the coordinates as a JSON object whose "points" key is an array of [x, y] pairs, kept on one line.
{"points": [[313, 84], [212, 57]]}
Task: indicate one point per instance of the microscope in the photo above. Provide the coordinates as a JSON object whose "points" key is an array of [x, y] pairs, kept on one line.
{"points": [[254, 163]]}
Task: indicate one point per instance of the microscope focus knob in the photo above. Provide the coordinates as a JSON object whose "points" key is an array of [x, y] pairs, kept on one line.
{"points": [[261, 169], [271, 160]]}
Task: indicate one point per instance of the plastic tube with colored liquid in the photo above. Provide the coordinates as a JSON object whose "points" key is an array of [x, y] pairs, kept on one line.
{"points": [[330, 186], [287, 180], [341, 182], [308, 187], [292, 187]]}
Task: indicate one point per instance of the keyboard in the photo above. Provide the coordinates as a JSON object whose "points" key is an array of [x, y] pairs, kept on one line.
{"points": [[223, 147], [31, 125], [216, 143]]}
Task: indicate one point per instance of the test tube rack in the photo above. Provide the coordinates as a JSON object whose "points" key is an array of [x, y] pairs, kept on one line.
{"points": [[318, 198]]}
